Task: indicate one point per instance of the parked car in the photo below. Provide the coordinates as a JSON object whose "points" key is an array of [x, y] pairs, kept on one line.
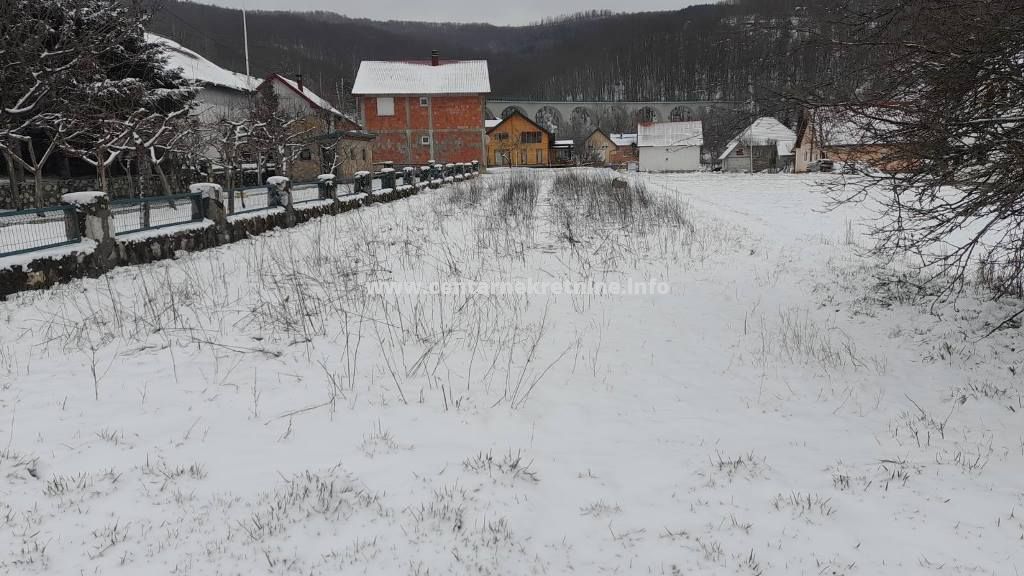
{"points": [[823, 165]]}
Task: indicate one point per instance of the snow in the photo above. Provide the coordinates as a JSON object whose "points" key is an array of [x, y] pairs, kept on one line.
{"points": [[622, 139], [206, 189], [671, 134], [240, 409], [762, 132], [278, 181], [144, 235], [82, 198], [397, 78], [488, 124], [326, 178], [200, 70], [84, 247]]}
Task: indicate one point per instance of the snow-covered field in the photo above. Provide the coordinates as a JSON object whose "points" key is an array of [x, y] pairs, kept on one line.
{"points": [[265, 407]]}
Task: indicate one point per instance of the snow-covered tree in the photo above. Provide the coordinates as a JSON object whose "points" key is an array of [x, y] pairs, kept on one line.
{"points": [[945, 113], [282, 133], [79, 75], [130, 102]]}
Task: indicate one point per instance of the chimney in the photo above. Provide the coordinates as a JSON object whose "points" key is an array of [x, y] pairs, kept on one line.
{"points": [[435, 57], [299, 78]]}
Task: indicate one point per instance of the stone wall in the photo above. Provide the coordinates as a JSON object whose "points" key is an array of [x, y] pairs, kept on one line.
{"points": [[53, 189], [47, 271]]}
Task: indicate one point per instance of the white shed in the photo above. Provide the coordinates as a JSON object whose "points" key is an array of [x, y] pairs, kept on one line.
{"points": [[764, 145], [670, 146]]}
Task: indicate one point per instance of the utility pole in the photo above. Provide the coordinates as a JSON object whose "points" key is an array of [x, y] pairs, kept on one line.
{"points": [[245, 38]]}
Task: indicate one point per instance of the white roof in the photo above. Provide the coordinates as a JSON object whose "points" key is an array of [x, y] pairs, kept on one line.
{"points": [[671, 134], [491, 123], [452, 77], [200, 70], [567, 142], [836, 127], [763, 132], [309, 94], [622, 139]]}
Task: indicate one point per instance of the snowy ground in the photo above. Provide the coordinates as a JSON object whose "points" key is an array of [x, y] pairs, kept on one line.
{"points": [[253, 409]]}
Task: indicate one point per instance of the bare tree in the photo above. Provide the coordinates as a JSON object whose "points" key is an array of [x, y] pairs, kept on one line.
{"points": [[943, 118]]}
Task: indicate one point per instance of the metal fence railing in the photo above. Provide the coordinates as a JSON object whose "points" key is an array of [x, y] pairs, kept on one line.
{"points": [[250, 200], [305, 193], [137, 214], [27, 230]]}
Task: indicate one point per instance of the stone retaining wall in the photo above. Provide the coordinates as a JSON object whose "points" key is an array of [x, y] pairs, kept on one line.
{"points": [[111, 252]]}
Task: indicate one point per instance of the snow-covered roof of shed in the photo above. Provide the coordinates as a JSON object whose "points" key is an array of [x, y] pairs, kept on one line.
{"points": [[200, 70], [762, 132], [622, 139], [671, 134], [448, 77], [492, 123]]}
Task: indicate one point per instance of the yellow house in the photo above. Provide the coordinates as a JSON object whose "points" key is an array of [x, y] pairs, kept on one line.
{"points": [[518, 141]]}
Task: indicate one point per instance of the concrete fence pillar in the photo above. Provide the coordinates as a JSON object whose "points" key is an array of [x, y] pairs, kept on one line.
{"points": [[95, 222], [208, 202], [328, 187]]}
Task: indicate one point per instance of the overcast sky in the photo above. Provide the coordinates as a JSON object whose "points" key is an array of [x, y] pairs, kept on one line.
{"points": [[494, 12]]}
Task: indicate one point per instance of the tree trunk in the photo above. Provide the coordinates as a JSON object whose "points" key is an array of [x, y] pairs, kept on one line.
{"points": [[37, 176], [12, 178], [163, 179], [101, 168]]}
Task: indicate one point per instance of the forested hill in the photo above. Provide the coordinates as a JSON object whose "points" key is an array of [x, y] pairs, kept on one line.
{"points": [[719, 51]]}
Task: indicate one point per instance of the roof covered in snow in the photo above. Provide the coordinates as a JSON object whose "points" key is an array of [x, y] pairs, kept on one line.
{"points": [[671, 134], [622, 139], [448, 77], [200, 70], [492, 123], [838, 127], [312, 97], [763, 132]]}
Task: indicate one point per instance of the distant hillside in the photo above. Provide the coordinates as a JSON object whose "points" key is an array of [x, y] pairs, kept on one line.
{"points": [[716, 51]]}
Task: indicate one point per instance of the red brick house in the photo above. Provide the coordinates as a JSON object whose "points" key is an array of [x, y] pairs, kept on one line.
{"points": [[424, 110]]}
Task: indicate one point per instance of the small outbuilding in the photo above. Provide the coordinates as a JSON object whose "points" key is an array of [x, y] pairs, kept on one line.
{"points": [[670, 146], [611, 149], [765, 145]]}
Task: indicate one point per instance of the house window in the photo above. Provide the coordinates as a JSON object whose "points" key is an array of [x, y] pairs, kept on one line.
{"points": [[424, 101], [305, 154], [739, 151], [540, 156], [364, 154], [385, 106], [531, 137], [523, 158], [501, 136], [425, 140], [352, 154]]}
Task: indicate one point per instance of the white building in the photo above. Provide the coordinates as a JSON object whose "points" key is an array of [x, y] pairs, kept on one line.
{"points": [[222, 93], [764, 145], [670, 146]]}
